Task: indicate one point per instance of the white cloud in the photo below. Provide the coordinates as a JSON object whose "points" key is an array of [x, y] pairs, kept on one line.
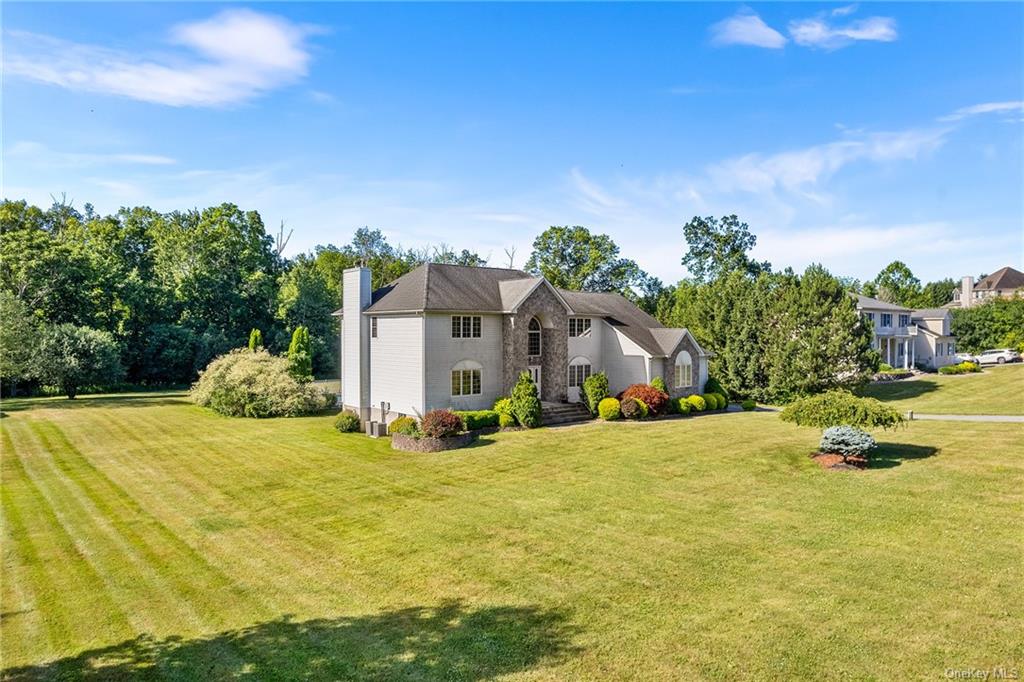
{"points": [[818, 32], [590, 196], [232, 57], [986, 108], [40, 154], [845, 10], [746, 28]]}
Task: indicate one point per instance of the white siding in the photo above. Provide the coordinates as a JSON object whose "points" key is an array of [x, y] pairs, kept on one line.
{"points": [[443, 352], [355, 340], [624, 362], [589, 346], [396, 363]]}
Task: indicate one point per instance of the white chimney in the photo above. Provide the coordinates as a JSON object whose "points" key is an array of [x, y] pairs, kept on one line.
{"points": [[966, 292], [355, 341]]}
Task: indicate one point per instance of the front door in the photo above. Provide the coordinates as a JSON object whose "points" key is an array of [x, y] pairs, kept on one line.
{"points": [[535, 375]]}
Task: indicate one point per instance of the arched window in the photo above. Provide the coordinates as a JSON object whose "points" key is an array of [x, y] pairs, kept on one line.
{"points": [[533, 340], [684, 370], [466, 378], [579, 370]]}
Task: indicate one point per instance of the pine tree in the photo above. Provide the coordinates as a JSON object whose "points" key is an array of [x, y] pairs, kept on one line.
{"points": [[300, 357], [255, 339]]}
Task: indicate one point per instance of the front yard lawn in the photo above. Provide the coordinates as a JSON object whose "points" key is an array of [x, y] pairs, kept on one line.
{"points": [[996, 390], [145, 537]]}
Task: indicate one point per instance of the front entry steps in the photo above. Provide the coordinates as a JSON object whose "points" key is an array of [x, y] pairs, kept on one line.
{"points": [[553, 414]]}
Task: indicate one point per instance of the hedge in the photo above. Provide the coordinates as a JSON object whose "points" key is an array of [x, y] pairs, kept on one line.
{"points": [[478, 419]]}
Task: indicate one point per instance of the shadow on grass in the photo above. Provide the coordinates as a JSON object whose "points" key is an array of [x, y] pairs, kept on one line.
{"points": [[448, 642], [97, 401], [889, 455], [899, 390]]}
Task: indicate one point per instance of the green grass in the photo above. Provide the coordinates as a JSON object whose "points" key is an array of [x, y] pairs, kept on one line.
{"points": [[996, 390], [144, 537]]}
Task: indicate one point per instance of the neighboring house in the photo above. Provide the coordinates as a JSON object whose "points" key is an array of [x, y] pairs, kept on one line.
{"points": [[449, 336], [907, 338], [1003, 283]]}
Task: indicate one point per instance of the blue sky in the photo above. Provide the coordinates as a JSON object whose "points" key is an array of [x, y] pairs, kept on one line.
{"points": [[847, 135]]}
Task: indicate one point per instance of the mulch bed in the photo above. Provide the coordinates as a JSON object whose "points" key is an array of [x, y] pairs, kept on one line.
{"points": [[837, 463]]}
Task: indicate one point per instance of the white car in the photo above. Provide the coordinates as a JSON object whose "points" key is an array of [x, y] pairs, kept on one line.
{"points": [[967, 357], [998, 356]]}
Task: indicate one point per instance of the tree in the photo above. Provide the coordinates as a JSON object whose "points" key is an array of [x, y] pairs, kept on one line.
{"points": [[446, 255], [897, 284], [18, 331], [937, 294], [717, 246], [72, 357], [525, 404], [997, 323], [304, 299], [573, 258], [300, 357], [255, 339]]}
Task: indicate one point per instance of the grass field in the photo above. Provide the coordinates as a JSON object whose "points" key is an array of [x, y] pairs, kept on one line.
{"points": [[144, 537], [996, 390]]}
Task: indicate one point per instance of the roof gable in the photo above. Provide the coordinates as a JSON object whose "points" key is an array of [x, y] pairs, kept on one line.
{"points": [[868, 303], [1003, 278]]}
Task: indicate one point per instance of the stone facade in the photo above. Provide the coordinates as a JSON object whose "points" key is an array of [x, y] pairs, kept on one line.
{"points": [[554, 357], [668, 370]]}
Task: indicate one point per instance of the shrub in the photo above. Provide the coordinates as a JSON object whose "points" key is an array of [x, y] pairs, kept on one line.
{"points": [[506, 421], [525, 403], [723, 401], [348, 422], [609, 409], [712, 385], [711, 400], [255, 339], [964, 367], [403, 425], [847, 441], [478, 419], [652, 397], [659, 384], [300, 355], [885, 367], [441, 424], [72, 357], [595, 389], [503, 405], [838, 407], [748, 405], [682, 406], [633, 408], [247, 383], [697, 403]]}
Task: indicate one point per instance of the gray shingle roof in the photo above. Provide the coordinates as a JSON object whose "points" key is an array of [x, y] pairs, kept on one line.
{"points": [[621, 313], [1002, 279], [930, 313], [875, 304]]}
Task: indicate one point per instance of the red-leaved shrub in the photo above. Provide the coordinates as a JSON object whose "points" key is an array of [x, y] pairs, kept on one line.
{"points": [[655, 400], [440, 424]]}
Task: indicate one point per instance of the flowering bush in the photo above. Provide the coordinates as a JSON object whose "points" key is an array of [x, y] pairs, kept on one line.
{"points": [[441, 424], [609, 409], [244, 383], [847, 441], [652, 397]]}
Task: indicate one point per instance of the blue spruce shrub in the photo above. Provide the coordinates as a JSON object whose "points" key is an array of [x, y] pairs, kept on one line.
{"points": [[848, 441]]}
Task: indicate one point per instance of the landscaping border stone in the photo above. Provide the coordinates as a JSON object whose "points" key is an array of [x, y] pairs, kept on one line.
{"points": [[400, 441]]}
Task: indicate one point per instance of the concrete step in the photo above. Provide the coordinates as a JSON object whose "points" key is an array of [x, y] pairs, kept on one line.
{"points": [[563, 413]]}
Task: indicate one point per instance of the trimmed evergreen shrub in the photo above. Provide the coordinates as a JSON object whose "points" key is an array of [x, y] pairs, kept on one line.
{"points": [[478, 419], [506, 421], [723, 401], [300, 355], [255, 339], [441, 424], [712, 385], [964, 367], [595, 389], [652, 397], [348, 422], [525, 403], [247, 383], [682, 406], [404, 425], [503, 405], [838, 408], [659, 384], [847, 441], [711, 400], [748, 405], [632, 408], [609, 409], [697, 403]]}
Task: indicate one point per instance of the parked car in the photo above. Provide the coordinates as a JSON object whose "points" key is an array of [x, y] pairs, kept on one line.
{"points": [[967, 357], [998, 356]]}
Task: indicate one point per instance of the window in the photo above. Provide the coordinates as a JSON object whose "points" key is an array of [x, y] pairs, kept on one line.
{"points": [[938, 348], [533, 338], [904, 320], [886, 319], [950, 349], [684, 370], [579, 370], [466, 378], [579, 326], [465, 326], [373, 327], [870, 317]]}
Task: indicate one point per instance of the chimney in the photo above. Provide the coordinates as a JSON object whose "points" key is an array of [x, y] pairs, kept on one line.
{"points": [[966, 292], [355, 341]]}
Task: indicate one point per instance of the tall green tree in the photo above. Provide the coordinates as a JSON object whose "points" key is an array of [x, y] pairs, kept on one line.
{"points": [[574, 258], [998, 323], [718, 246], [304, 299], [937, 294], [18, 340], [300, 356], [72, 357], [897, 284]]}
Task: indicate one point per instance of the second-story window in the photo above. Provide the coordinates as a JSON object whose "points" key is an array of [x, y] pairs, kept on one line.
{"points": [[870, 317], [579, 326], [904, 320], [466, 326], [886, 319]]}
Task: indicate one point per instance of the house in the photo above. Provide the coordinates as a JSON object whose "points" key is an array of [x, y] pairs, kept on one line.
{"points": [[909, 338], [1004, 282], [450, 336]]}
